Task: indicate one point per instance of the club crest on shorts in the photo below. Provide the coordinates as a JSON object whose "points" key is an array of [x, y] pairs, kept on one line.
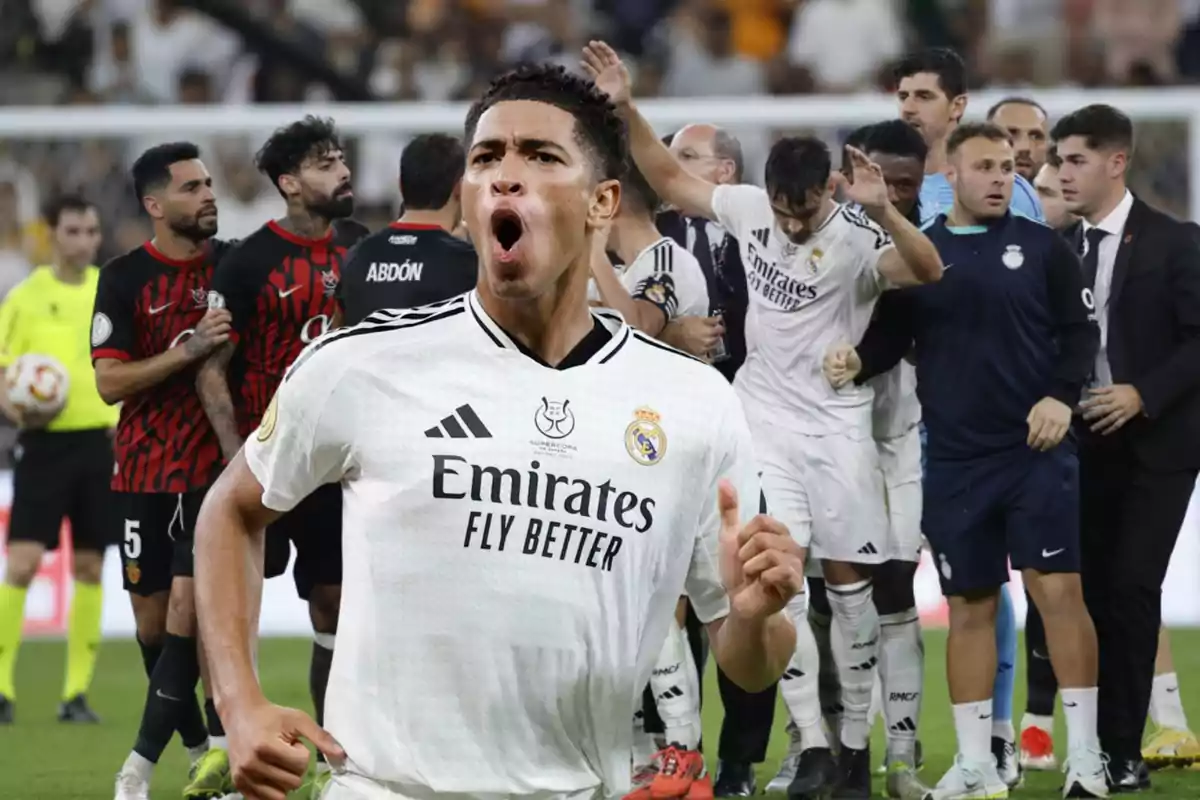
{"points": [[267, 426], [133, 572], [645, 439], [1013, 258]]}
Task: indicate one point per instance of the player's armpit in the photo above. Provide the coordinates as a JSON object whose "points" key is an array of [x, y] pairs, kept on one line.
{"points": [[212, 386], [117, 380]]}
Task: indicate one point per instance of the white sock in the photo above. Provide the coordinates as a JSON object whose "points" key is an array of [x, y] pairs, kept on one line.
{"points": [[1003, 729], [799, 682], [1166, 706], [220, 742], [973, 724], [1079, 707], [856, 656], [901, 678], [138, 765], [676, 690], [1037, 721], [196, 753], [325, 640]]}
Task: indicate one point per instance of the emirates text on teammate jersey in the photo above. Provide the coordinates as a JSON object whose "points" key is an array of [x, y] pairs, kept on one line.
{"points": [[147, 303], [281, 290], [455, 478]]}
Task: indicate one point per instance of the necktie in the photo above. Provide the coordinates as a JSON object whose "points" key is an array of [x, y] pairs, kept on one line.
{"points": [[1091, 258], [702, 250]]}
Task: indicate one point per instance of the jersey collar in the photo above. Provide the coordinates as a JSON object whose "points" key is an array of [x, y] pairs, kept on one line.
{"points": [[586, 352]]}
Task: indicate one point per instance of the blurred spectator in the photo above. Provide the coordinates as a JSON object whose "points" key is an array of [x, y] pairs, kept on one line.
{"points": [[114, 75], [703, 61], [1139, 33], [169, 39], [17, 233], [759, 27], [844, 43]]}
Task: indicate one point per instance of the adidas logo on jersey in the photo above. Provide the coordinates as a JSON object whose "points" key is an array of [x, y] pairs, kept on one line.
{"points": [[464, 423], [763, 235], [868, 549]]}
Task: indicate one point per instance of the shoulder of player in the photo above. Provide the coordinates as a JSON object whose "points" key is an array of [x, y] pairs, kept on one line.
{"points": [[391, 328], [348, 232], [130, 269], [649, 348]]}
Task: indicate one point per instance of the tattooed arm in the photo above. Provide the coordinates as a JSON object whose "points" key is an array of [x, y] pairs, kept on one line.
{"points": [[213, 388]]}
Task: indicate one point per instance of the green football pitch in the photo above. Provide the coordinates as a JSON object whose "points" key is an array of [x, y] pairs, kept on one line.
{"points": [[43, 760]]}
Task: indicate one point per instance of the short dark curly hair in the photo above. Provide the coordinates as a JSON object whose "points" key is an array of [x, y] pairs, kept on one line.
{"points": [[290, 145], [598, 129]]}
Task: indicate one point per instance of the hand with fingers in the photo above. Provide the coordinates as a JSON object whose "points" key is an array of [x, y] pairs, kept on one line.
{"points": [[1110, 408], [1049, 422], [762, 566], [865, 185], [602, 64], [267, 755], [841, 365], [213, 331]]}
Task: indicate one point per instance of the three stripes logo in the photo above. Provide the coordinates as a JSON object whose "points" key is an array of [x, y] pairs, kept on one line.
{"points": [[868, 549], [763, 235], [671, 693], [464, 423], [791, 674], [905, 725]]}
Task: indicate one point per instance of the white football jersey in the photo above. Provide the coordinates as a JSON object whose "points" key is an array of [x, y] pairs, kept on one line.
{"points": [[895, 408], [515, 538], [804, 299], [666, 275]]}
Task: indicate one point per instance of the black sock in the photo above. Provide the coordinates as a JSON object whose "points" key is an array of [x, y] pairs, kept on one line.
{"points": [[318, 679], [215, 728], [1039, 673], [171, 700], [150, 654]]}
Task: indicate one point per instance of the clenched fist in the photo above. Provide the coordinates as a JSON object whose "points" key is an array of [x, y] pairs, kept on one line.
{"points": [[841, 365]]}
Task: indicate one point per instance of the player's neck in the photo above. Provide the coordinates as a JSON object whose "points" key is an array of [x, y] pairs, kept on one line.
{"points": [[630, 237], [549, 325], [65, 272], [935, 161], [960, 217], [305, 225], [1115, 196], [176, 247], [443, 218]]}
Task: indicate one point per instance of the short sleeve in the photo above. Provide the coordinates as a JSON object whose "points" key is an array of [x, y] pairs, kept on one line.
{"points": [[113, 323], [237, 280], [304, 439], [691, 287], [869, 242], [741, 208], [734, 461]]}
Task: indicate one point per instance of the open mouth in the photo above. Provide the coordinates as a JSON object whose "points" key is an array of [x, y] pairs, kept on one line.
{"points": [[996, 197], [345, 191], [507, 228]]}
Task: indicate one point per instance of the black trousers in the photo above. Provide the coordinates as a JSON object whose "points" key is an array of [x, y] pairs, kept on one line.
{"points": [[1130, 519]]}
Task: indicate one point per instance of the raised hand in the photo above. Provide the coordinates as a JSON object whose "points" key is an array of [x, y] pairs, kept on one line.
{"points": [[607, 71], [762, 566], [865, 185]]}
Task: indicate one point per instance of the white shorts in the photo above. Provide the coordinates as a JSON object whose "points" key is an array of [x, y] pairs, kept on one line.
{"points": [[900, 461], [828, 490]]}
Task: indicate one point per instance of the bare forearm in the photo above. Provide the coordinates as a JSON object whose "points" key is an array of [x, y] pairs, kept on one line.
{"points": [[617, 297], [920, 256], [753, 653], [227, 576], [118, 380], [213, 388], [677, 187]]}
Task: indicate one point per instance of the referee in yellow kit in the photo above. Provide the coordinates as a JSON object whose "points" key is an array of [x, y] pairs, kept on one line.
{"points": [[62, 465]]}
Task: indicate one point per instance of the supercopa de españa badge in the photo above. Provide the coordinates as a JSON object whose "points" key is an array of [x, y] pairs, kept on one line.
{"points": [[267, 426], [644, 438]]}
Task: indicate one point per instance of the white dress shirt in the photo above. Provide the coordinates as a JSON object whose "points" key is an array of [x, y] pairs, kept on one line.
{"points": [[1114, 226]]}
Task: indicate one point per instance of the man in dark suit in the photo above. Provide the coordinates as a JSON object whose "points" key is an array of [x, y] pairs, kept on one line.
{"points": [[716, 155], [1139, 429]]}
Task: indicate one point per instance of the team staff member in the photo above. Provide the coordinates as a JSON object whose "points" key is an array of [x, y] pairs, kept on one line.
{"points": [[1140, 428], [416, 260], [63, 463]]}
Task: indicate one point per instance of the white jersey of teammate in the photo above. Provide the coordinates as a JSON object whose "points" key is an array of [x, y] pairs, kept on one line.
{"points": [[515, 539], [815, 445], [896, 415], [666, 275]]}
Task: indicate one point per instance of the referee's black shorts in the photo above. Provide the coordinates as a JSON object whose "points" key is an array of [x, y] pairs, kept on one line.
{"points": [[63, 474]]}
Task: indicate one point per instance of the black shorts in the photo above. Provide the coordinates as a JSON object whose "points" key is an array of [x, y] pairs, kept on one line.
{"points": [[61, 475], [157, 533], [315, 528]]}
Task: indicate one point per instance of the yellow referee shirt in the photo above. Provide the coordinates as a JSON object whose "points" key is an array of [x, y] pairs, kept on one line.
{"points": [[43, 315]]}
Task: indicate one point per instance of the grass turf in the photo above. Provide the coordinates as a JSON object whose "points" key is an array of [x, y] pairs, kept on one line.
{"points": [[43, 760]]}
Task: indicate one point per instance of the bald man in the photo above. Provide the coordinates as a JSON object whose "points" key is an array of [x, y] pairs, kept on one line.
{"points": [[715, 155], [1029, 126]]}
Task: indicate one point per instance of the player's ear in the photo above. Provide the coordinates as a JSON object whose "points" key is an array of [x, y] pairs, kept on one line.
{"points": [[958, 108], [153, 206], [289, 184], [606, 201]]}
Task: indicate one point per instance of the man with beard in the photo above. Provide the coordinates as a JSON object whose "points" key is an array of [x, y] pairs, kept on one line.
{"points": [[150, 328], [280, 286], [1028, 126]]}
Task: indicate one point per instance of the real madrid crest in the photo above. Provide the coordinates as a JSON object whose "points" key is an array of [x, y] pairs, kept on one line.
{"points": [[814, 261], [267, 426], [1013, 258], [645, 439]]}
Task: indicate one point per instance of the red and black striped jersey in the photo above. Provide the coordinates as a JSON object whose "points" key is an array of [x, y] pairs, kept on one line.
{"points": [[147, 303], [282, 292]]}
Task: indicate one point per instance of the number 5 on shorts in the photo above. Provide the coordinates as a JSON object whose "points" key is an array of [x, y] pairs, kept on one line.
{"points": [[133, 539]]}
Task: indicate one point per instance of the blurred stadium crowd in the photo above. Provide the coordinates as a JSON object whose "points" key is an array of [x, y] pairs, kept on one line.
{"points": [[119, 52]]}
